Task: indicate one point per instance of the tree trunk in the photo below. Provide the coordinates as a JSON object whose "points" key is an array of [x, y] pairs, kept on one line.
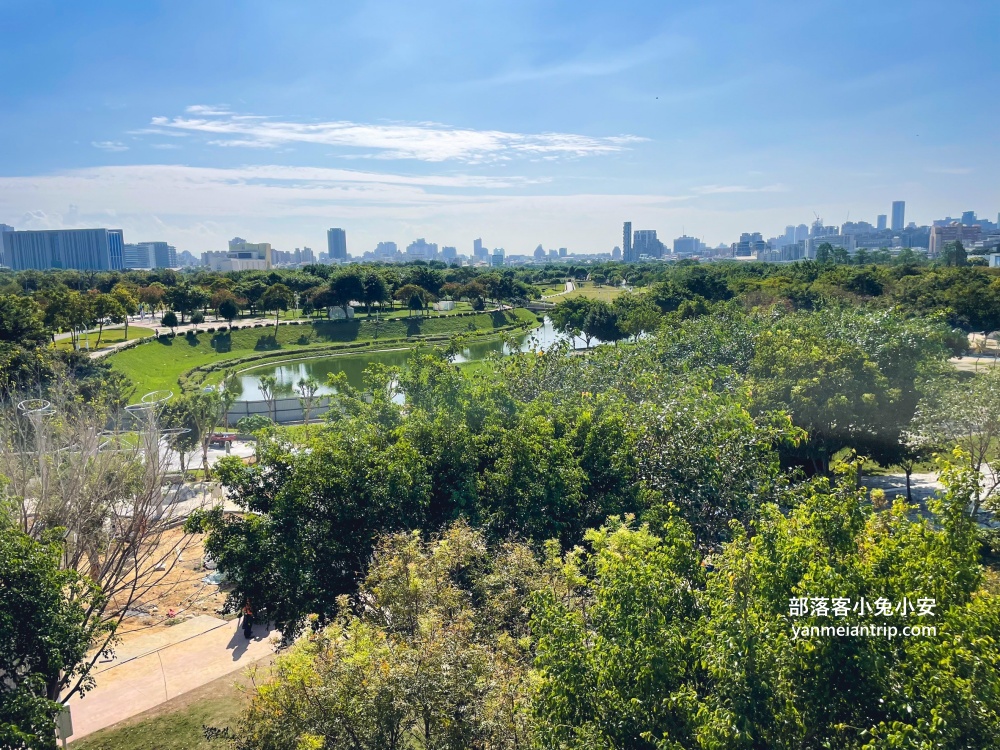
{"points": [[909, 493]]}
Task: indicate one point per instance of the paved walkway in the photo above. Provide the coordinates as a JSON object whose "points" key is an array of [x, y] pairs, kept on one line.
{"points": [[152, 669]]}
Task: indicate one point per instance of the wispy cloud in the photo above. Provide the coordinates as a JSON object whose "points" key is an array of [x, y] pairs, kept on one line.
{"points": [[166, 146], [431, 142], [208, 110], [950, 170], [722, 189], [109, 145]]}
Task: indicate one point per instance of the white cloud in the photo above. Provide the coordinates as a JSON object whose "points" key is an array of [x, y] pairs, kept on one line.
{"points": [[208, 110], [109, 145], [423, 141], [166, 146]]}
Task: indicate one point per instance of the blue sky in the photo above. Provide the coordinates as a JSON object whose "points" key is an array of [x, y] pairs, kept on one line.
{"points": [[520, 122]]}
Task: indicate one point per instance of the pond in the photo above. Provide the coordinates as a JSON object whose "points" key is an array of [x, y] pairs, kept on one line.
{"points": [[354, 364]]}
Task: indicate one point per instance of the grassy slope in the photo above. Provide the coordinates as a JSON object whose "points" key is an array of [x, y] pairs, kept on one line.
{"points": [[110, 336], [157, 365]]}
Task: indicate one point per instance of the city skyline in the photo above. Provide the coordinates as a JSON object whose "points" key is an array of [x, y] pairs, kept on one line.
{"points": [[519, 123]]}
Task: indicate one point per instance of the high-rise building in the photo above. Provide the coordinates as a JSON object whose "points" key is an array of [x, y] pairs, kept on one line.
{"points": [[82, 249], [3, 228], [539, 254], [968, 218], [881, 222], [387, 251], [449, 254], [136, 256], [644, 242], [898, 215], [479, 253], [421, 249], [150, 255], [563, 252], [627, 254], [497, 258], [685, 245], [801, 232], [336, 245], [940, 236], [616, 254]]}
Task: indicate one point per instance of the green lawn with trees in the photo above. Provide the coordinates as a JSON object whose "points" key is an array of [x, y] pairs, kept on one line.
{"points": [[158, 364]]}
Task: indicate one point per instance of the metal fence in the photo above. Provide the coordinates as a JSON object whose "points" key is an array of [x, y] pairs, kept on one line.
{"points": [[284, 410]]}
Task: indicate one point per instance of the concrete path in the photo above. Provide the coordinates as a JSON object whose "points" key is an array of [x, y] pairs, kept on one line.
{"points": [[152, 669]]}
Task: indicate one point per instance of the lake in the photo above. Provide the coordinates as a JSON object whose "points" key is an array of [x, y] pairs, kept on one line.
{"points": [[354, 364]]}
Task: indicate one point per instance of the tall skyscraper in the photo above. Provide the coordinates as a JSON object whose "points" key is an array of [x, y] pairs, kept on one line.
{"points": [[882, 222], [627, 255], [336, 245], [479, 253], [82, 249], [898, 215], [968, 218], [801, 233]]}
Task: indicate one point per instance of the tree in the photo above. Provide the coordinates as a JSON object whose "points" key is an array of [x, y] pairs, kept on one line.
{"points": [[954, 254], [45, 634], [126, 297], [375, 290], [268, 385], [229, 310], [197, 318], [416, 303], [824, 253], [601, 323], [422, 658], [307, 388], [569, 316], [152, 296], [966, 414], [345, 289], [278, 297], [648, 645], [87, 474], [169, 320], [107, 309]]}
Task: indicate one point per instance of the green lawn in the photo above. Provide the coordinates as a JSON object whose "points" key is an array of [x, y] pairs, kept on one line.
{"points": [[111, 336], [587, 289], [177, 724], [157, 365]]}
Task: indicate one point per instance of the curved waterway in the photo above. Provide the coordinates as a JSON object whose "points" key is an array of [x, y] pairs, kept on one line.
{"points": [[353, 364]]}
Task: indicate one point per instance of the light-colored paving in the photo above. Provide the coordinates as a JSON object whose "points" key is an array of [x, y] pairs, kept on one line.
{"points": [[151, 669]]}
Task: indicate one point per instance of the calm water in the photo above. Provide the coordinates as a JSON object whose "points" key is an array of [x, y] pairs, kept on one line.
{"points": [[290, 373]]}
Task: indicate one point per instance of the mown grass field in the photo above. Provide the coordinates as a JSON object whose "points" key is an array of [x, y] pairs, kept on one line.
{"points": [[158, 364], [111, 336], [588, 289]]}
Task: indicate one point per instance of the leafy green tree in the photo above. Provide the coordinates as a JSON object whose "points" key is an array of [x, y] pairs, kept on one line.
{"points": [[278, 297], [346, 288], [229, 310], [570, 315], [375, 291], [170, 320], [419, 662], [44, 635], [126, 296]]}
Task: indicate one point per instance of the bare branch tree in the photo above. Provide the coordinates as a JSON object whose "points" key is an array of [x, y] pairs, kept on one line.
{"points": [[96, 476]]}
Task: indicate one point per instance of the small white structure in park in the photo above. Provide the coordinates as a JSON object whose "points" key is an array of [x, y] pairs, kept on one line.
{"points": [[339, 313], [444, 305]]}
